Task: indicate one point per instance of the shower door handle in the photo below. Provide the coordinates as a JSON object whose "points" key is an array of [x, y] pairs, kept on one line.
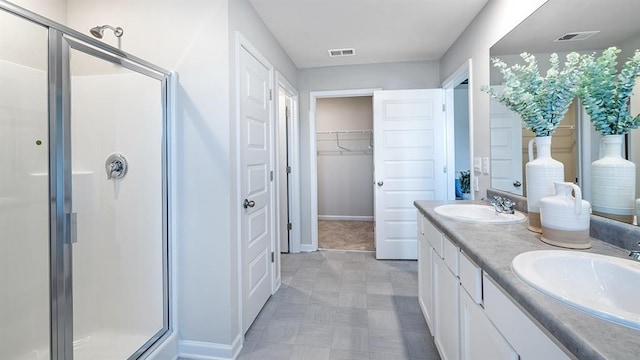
{"points": [[73, 227]]}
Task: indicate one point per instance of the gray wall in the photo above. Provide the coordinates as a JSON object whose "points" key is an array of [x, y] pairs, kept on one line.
{"points": [[345, 178], [390, 76], [243, 18]]}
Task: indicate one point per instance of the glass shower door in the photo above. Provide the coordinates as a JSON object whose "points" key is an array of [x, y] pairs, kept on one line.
{"points": [[117, 173], [24, 190]]}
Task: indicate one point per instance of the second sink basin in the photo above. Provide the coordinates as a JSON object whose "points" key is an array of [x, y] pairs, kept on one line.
{"points": [[478, 213], [600, 285]]}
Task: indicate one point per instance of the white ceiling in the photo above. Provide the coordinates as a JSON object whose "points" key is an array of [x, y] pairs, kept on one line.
{"points": [[379, 30]]}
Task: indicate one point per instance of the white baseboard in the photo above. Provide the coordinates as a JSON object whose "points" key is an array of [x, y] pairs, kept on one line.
{"points": [[345, 218], [201, 350], [306, 248]]}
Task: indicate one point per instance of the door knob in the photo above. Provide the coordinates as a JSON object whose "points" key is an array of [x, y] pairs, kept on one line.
{"points": [[380, 183], [248, 203], [517, 183]]}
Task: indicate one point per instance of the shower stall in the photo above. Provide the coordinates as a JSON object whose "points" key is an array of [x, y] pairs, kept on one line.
{"points": [[84, 203]]}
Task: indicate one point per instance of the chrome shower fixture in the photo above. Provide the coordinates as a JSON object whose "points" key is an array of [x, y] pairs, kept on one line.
{"points": [[99, 30]]}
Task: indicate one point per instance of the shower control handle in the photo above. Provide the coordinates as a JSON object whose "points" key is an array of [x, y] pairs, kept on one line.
{"points": [[248, 203], [116, 166]]}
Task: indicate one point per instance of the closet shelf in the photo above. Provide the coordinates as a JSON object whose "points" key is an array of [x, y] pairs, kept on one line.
{"points": [[344, 132], [335, 135]]}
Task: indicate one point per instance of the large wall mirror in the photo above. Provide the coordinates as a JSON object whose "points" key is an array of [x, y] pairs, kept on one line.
{"points": [[587, 26]]}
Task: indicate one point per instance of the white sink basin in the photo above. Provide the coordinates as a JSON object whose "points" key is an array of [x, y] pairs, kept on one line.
{"points": [[604, 286], [478, 213]]}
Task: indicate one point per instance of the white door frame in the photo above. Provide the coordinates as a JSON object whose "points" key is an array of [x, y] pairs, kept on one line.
{"points": [[461, 74], [294, 160], [313, 156], [242, 42]]}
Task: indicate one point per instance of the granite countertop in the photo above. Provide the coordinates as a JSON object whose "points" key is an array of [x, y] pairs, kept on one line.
{"points": [[493, 247]]}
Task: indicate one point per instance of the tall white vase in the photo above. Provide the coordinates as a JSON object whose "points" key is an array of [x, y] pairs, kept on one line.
{"points": [[613, 181], [541, 174]]}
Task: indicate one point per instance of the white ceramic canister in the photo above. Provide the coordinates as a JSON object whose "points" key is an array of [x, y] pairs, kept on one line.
{"points": [[541, 173], [565, 217]]}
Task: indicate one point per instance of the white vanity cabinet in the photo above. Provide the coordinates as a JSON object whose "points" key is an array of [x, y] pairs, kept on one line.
{"points": [[469, 316], [439, 288]]}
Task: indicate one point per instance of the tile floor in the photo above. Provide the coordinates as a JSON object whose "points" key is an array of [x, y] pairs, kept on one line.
{"points": [[342, 305]]}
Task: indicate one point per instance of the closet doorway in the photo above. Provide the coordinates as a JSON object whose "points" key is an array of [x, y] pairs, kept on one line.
{"points": [[344, 144]]}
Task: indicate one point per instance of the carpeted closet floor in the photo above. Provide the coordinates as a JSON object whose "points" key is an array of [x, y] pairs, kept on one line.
{"points": [[346, 235]]}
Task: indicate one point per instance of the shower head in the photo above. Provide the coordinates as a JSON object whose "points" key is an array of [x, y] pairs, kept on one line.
{"points": [[99, 30]]}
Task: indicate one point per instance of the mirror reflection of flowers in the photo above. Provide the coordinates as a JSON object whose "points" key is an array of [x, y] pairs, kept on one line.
{"points": [[605, 93], [540, 101]]}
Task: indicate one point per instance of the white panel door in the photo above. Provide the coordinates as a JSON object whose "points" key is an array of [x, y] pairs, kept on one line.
{"points": [[256, 186], [409, 161], [506, 148]]}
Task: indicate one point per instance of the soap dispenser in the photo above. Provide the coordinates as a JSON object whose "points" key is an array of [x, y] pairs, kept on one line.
{"points": [[565, 218]]}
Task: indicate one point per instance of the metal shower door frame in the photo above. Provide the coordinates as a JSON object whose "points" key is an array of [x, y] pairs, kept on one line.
{"points": [[61, 40]]}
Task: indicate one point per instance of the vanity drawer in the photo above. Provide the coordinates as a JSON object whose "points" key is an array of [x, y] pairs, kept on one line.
{"points": [[434, 237], [471, 278]]}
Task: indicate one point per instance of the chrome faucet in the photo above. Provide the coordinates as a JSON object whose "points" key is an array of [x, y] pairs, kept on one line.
{"points": [[635, 254], [503, 205]]}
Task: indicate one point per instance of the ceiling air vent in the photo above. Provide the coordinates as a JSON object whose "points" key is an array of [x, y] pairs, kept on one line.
{"points": [[576, 36], [342, 52]]}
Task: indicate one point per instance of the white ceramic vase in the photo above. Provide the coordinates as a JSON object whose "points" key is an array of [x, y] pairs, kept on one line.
{"points": [[565, 218], [613, 181], [541, 173]]}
